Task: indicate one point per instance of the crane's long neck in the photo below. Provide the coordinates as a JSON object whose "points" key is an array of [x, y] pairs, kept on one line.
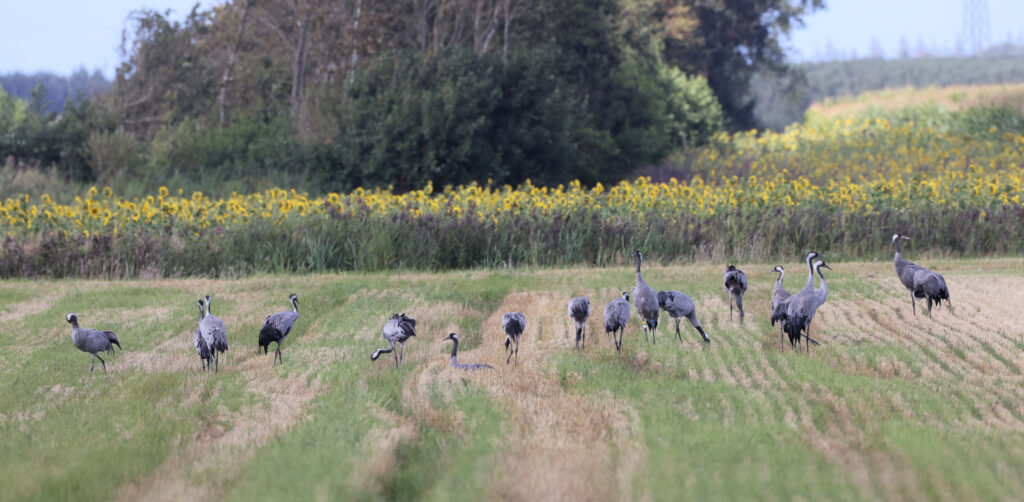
{"points": [[810, 275], [824, 285], [455, 349], [639, 276], [295, 306], [778, 282], [207, 307], [898, 256]]}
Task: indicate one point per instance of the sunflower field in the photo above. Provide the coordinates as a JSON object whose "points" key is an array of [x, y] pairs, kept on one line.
{"points": [[843, 187]]}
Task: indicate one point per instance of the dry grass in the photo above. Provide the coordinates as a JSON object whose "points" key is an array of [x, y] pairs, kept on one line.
{"points": [[953, 98], [566, 438]]}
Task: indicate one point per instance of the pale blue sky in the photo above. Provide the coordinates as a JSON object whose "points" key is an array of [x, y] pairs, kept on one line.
{"points": [[63, 35]]}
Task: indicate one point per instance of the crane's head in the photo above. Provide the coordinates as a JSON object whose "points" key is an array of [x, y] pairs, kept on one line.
{"points": [[821, 264], [451, 336], [779, 269], [202, 308], [625, 295], [897, 237], [812, 255], [293, 298], [730, 268], [72, 318]]}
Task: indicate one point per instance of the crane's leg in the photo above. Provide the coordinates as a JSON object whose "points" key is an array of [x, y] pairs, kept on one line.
{"points": [[929, 312], [730, 306], [401, 352], [517, 351], [101, 362], [654, 334], [93, 363], [678, 334], [648, 340], [395, 352], [739, 305], [577, 338], [584, 337], [913, 304], [782, 336]]}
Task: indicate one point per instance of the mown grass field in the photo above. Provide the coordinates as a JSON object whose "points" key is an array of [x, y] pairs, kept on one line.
{"points": [[891, 406]]}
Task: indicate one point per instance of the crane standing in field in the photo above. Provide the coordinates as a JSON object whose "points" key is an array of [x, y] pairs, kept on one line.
{"points": [[579, 311], [801, 309], [781, 309], [513, 324], [678, 305], [277, 326], [779, 297], [735, 285], [197, 339], [921, 282], [454, 362], [215, 334], [398, 329], [616, 316], [646, 301], [92, 341]]}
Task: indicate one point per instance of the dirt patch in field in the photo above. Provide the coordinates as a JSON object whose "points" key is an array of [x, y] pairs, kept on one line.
{"points": [[560, 446]]}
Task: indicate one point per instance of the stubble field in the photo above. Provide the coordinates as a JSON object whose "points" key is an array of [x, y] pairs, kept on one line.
{"points": [[891, 406]]}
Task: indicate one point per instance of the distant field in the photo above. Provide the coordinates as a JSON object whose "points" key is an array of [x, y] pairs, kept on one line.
{"points": [[891, 406], [952, 98]]}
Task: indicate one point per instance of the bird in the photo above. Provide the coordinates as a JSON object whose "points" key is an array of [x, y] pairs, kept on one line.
{"points": [[92, 341], [921, 282], [454, 362], [781, 310], [735, 285], [513, 323], [215, 333], [802, 307], [398, 329], [646, 301], [678, 305], [277, 326], [579, 311], [616, 315], [197, 339], [779, 298]]}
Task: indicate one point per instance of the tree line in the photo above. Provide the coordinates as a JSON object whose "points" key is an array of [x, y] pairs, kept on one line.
{"points": [[344, 93]]}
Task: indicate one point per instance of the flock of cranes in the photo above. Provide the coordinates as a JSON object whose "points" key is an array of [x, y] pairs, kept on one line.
{"points": [[794, 313]]}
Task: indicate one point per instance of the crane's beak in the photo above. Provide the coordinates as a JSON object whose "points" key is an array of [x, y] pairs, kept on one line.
{"points": [[826, 266]]}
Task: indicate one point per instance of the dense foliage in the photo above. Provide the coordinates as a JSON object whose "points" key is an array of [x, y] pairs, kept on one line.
{"points": [[324, 95], [952, 180]]}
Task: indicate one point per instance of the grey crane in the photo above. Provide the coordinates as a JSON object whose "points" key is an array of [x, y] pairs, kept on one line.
{"points": [[215, 333], [398, 329], [678, 305], [197, 339], [735, 285], [779, 297], [92, 341], [802, 307], [454, 362], [616, 315], [646, 301], [579, 311], [781, 309], [277, 326], [921, 282], [513, 323]]}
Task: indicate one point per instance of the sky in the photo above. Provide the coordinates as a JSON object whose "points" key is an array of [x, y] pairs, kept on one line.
{"points": [[63, 35]]}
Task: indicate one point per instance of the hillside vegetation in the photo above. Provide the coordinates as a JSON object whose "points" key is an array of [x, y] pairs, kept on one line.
{"points": [[891, 406]]}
